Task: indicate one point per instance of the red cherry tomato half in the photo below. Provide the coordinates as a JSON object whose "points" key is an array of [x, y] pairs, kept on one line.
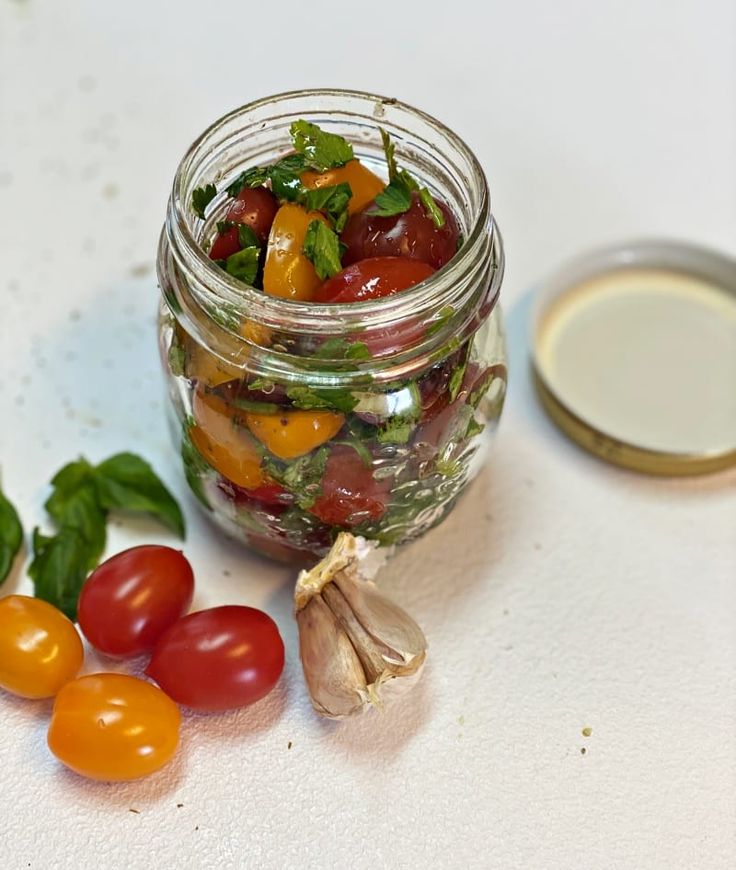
{"points": [[225, 245], [271, 495], [350, 494], [372, 279], [412, 234], [256, 207], [131, 599], [218, 659]]}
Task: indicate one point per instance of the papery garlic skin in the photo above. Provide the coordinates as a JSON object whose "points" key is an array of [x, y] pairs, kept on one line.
{"points": [[358, 648]]}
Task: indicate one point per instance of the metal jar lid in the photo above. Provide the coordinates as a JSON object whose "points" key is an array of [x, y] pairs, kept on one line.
{"points": [[634, 355]]}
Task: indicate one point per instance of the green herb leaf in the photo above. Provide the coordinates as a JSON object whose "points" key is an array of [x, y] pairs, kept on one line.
{"points": [[253, 177], [59, 568], [247, 238], [440, 318], [127, 482], [397, 431], [360, 448], [456, 380], [322, 150], [195, 467], [285, 177], [474, 428], [303, 476], [395, 198], [431, 207], [243, 265], [322, 247], [340, 348], [11, 535], [315, 400], [389, 149], [75, 503], [256, 407], [202, 197], [333, 201], [224, 226]]}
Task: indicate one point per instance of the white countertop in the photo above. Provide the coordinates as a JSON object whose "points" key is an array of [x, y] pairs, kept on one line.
{"points": [[561, 594]]}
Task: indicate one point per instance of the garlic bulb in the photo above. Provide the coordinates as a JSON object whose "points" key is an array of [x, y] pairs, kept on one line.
{"points": [[358, 648]]}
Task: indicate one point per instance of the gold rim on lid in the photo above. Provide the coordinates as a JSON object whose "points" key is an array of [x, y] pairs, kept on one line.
{"points": [[606, 280]]}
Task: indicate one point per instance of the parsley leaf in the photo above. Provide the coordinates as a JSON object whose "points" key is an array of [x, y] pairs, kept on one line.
{"points": [[332, 200], [202, 197], [253, 177], [393, 199], [321, 150], [302, 477], [11, 535], [431, 207], [322, 247], [247, 238], [127, 482], [195, 467], [397, 431], [340, 348], [285, 177], [396, 197], [243, 265], [313, 400], [474, 428]]}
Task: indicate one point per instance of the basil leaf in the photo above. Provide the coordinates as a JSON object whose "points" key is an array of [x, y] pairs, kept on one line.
{"points": [[127, 482], [243, 265], [315, 400], [224, 226], [202, 197], [395, 198], [75, 504], [322, 150], [322, 247], [253, 177], [59, 568], [333, 201], [11, 535]]}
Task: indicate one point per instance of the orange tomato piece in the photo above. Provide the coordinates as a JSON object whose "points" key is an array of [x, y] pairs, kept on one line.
{"points": [[287, 272], [293, 433], [40, 649], [223, 440], [364, 183], [113, 727]]}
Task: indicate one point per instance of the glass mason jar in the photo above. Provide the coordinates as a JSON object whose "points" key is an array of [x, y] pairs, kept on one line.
{"points": [[295, 420]]}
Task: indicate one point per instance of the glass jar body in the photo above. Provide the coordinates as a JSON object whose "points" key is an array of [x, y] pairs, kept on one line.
{"points": [[284, 442]]}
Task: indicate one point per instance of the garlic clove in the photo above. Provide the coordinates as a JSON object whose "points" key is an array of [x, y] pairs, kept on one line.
{"points": [[332, 669], [358, 648]]}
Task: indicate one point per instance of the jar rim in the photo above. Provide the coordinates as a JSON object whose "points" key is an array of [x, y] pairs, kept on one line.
{"points": [[224, 288]]}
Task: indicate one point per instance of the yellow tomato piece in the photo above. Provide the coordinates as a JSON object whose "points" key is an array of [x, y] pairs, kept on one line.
{"points": [[113, 727], [294, 433], [206, 368], [287, 272], [221, 437], [40, 649], [364, 184]]}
